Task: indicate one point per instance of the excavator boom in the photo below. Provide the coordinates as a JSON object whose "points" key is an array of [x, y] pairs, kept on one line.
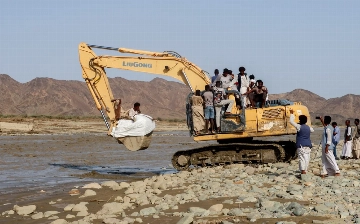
{"points": [[168, 64]]}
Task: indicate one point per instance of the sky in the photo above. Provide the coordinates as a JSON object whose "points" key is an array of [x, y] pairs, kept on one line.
{"points": [[307, 44]]}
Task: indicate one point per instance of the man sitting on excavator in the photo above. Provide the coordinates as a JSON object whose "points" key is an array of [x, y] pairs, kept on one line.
{"points": [[220, 100], [134, 111], [260, 94]]}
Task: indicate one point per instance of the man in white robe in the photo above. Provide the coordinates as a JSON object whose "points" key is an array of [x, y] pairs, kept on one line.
{"points": [[356, 140], [330, 166], [243, 86], [346, 151]]}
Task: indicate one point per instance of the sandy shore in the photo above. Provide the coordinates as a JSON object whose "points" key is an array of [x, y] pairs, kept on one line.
{"points": [[19, 125]]}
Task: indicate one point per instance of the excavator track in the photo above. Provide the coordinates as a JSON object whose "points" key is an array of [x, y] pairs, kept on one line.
{"points": [[258, 152]]}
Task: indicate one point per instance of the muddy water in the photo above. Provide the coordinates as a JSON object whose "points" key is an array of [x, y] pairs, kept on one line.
{"points": [[40, 161]]}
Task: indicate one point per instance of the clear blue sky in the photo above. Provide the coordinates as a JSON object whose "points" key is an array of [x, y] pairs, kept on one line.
{"points": [[309, 44]]}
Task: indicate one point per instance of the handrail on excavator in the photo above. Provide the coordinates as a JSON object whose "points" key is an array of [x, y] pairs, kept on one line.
{"points": [[132, 51], [103, 47]]}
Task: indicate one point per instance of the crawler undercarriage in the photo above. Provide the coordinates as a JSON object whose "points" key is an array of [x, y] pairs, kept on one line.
{"points": [[256, 152]]}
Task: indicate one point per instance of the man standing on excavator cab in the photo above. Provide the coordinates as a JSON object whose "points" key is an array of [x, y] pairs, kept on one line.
{"points": [[234, 81], [243, 86], [216, 72], [225, 79], [134, 111], [220, 100], [252, 84], [209, 109]]}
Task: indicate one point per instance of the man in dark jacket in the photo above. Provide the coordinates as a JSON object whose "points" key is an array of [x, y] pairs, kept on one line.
{"points": [[303, 142]]}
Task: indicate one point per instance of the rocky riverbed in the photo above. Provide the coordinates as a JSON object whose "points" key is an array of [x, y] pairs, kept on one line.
{"points": [[77, 177], [271, 193]]}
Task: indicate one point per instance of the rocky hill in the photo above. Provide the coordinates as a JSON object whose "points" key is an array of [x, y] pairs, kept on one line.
{"points": [[340, 108], [158, 98], [46, 96]]}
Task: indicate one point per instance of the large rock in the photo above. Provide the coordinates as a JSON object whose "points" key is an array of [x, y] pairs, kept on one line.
{"points": [[82, 214], [128, 220], [235, 212], [50, 213], [53, 217], [216, 208], [38, 215], [162, 206], [185, 220], [112, 221], [196, 210], [226, 222], [80, 207], [139, 220], [293, 205], [344, 215], [299, 211], [321, 208], [24, 210], [267, 204], [138, 184], [147, 211], [356, 183], [112, 208], [250, 199], [111, 184], [69, 207], [294, 187], [59, 221], [124, 185], [306, 177], [88, 193], [249, 170], [351, 173], [142, 200], [9, 212], [74, 192], [92, 185]]}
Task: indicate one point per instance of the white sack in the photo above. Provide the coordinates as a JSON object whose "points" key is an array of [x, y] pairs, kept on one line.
{"points": [[142, 125]]}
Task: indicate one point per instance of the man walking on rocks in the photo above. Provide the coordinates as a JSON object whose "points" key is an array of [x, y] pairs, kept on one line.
{"points": [[330, 166], [356, 140], [346, 152], [303, 142], [336, 137]]}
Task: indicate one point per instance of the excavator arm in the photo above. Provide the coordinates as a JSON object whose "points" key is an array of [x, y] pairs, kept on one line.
{"points": [[165, 63]]}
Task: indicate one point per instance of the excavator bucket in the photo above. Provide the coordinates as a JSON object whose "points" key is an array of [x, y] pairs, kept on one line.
{"points": [[135, 143], [132, 143]]}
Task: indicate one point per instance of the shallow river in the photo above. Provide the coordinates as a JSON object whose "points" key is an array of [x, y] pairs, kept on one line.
{"points": [[40, 161]]}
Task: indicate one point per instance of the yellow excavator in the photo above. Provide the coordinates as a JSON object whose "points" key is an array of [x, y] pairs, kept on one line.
{"points": [[237, 128]]}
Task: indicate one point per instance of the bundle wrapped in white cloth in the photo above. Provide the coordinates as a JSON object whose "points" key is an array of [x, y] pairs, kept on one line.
{"points": [[140, 126]]}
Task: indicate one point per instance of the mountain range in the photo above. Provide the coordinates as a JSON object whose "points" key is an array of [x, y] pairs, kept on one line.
{"points": [[159, 98]]}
